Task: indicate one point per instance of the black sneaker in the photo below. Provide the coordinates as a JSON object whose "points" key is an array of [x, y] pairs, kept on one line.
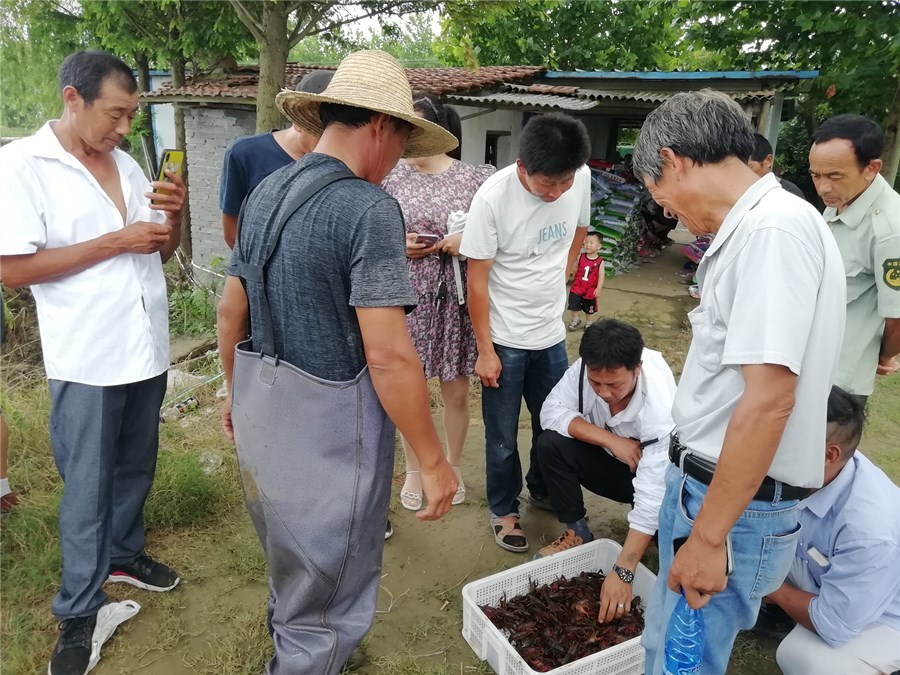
{"points": [[72, 653], [145, 573], [389, 530]]}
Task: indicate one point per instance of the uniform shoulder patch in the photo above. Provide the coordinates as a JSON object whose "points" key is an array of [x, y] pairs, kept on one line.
{"points": [[892, 273]]}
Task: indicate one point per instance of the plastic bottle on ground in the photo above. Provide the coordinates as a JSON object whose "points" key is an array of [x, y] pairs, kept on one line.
{"points": [[684, 640], [179, 409]]}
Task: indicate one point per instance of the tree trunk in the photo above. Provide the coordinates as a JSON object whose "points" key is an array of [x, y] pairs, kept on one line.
{"points": [[143, 68], [178, 80], [808, 113], [891, 154], [272, 60]]}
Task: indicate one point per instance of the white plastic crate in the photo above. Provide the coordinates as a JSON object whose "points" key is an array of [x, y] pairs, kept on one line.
{"points": [[492, 646]]}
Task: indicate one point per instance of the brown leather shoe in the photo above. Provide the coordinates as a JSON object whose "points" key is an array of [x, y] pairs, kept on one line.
{"points": [[8, 502], [565, 541]]}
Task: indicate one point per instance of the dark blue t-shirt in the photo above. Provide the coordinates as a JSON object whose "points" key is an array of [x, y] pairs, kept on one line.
{"points": [[247, 161], [345, 248]]}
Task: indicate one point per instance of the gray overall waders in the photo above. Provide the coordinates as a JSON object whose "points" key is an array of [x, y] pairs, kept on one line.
{"points": [[316, 461]]}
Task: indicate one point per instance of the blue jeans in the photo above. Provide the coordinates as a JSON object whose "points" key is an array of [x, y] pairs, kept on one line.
{"points": [[105, 442], [764, 540], [524, 373]]}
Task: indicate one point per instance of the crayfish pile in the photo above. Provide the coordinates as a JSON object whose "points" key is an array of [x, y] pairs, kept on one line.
{"points": [[557, 623]]}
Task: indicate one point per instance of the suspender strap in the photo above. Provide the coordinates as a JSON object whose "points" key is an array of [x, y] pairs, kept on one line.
{"points": [[581, 389], [257, 273]]}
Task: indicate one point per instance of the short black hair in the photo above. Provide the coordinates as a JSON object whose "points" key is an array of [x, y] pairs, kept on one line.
{"points": [[594, 233], [351, 116], [87, 70], [433, 109], [554, 145], [864, 135], [846, 419], [611, 344], [761, 148]]}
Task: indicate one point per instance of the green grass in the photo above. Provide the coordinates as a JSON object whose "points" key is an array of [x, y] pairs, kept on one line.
{"points": [[184, 503], [182, 493], [197, 522]]}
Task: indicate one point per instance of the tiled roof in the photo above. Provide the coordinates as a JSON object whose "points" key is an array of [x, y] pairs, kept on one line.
{"points": [[242, 82]]}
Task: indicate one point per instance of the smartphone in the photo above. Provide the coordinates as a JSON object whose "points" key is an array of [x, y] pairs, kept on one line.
{"points": [[428, 239], [678, 542], [172, 160]]}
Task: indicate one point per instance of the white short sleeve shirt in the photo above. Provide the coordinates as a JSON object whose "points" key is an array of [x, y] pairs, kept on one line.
{"points": [[528, 240], [772, 292], [647, 418], [108, 324]]}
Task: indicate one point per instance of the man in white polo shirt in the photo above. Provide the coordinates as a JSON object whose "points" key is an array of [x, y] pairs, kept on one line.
{"points": [[750, 407], [525, 227], [79, 227]]}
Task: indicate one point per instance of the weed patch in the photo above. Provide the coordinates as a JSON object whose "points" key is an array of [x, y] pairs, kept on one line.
{"points": [[183, 494]]}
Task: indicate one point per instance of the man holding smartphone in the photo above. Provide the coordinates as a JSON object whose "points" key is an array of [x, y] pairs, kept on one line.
{"points": [[750, 407], [80, 228]]}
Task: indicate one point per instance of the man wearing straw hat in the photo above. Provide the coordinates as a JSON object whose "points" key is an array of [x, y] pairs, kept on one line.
{"points": [[319, 363]]}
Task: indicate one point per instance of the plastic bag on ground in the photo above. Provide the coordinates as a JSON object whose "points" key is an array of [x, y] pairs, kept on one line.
{"points": [[109, 618]]}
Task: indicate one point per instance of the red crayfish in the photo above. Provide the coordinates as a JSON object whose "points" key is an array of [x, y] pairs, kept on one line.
{"points": [[556, 623]]}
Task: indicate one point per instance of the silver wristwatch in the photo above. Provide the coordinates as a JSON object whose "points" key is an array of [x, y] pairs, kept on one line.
{"points": [[625, 575]]}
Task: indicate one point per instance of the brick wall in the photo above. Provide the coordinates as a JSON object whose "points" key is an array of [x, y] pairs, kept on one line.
{"points": [[209, 132]]}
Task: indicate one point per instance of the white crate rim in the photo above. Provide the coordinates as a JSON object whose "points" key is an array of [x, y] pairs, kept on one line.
{"points": [[530, 570]]}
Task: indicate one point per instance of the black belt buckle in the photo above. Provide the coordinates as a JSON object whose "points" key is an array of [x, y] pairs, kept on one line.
{"points": [[676, 450], [702, 470]]}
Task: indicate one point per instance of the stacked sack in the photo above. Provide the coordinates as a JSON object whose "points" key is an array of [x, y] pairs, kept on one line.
{"points": [[614, 214]]}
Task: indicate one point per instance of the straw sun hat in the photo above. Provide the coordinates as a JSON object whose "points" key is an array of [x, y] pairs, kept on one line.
{"points": [[374, 80]]}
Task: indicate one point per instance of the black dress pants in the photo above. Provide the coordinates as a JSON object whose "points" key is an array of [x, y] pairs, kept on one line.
{"points": [[567, 464]]}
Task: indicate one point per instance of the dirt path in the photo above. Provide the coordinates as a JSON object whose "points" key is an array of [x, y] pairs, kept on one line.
{"points": [[214, 623]]}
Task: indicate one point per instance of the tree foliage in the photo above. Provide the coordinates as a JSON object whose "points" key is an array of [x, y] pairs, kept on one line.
{"points": [[855, 45], [201, 33], [280, 25], [412, 44], [35, 36], [560, 34]]}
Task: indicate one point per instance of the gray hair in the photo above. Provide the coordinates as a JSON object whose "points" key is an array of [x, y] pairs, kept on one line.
{"points": [[704, 126]]}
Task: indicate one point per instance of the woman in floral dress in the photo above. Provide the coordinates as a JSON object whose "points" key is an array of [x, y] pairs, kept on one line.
{"points": [[429, 189]]}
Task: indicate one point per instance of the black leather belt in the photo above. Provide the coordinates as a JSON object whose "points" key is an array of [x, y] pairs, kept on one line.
{"points": [[702, 470]]}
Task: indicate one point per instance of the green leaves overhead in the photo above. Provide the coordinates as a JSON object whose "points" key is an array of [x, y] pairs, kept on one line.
{"points": [[560, 34]]}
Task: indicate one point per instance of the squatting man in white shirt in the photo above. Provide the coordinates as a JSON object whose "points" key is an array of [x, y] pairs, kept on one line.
{"points": [[606, 427]]}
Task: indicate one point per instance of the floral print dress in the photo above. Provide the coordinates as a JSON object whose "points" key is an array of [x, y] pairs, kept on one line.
{"points": [[442, 332]]}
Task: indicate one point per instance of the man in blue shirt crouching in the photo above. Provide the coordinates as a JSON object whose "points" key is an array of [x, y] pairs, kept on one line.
{"points": [[843, 589]]}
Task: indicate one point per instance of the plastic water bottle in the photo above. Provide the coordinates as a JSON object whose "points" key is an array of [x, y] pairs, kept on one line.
{"points": [[684, 640]]}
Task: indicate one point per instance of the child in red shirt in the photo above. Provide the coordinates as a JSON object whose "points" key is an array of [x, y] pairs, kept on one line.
{"points": [[588, 280]]}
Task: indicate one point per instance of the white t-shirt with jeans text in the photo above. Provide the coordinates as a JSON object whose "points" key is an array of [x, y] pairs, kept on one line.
{"points": [[528, 239]]}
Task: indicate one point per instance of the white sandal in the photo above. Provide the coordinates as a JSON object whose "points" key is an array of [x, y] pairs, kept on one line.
{"points": [[411, 501], [460, 495]]}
